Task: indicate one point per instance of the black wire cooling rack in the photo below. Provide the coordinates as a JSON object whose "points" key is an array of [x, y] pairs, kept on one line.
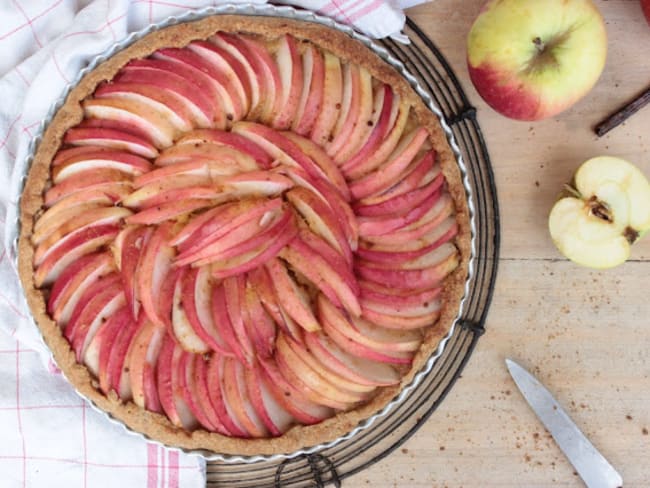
{"points": [[333, 465]]}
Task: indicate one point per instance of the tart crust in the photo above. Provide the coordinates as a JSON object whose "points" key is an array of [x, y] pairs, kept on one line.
{"points": [[157, 426]]}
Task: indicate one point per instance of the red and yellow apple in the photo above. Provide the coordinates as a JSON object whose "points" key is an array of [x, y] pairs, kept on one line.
{"points": [[530, 60], [606, 211]]}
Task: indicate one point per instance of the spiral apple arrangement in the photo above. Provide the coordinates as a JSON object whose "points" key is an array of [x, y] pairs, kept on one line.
{"points": [[244, 235]]}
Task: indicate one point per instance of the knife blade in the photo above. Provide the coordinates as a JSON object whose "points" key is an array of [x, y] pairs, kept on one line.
{"points": [[592, 467]]}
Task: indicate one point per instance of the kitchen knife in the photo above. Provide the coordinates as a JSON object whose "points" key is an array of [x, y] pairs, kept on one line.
{"points": [[592, 467]]}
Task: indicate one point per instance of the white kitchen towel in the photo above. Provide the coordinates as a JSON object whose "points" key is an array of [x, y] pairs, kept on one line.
{"points": [[50, 437]]}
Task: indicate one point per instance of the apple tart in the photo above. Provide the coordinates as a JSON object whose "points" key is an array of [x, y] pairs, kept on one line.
{"points": [[243, 235]]}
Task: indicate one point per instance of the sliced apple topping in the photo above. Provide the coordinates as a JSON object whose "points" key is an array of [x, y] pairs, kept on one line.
{"points": [[247, 234]]}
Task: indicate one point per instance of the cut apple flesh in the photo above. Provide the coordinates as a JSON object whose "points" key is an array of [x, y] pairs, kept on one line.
{"points": [[246, 234]]}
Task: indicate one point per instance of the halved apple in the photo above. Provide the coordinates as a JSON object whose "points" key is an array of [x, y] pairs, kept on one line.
{"points": [[607, 210]]}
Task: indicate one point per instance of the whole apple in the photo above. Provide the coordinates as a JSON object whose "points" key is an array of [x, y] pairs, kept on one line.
{"points": [[605, 211], [645, 6], [532, 59]]}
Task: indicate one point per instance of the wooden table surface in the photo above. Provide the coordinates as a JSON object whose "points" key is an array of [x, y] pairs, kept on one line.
{"points": [[585, 334]]}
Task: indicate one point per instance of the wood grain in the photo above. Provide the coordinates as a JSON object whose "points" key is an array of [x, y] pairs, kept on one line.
{"points": [[585, 333]]}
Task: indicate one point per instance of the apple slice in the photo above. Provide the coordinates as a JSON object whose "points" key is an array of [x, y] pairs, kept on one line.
{"points": [[110, 139], [112, 370], [199, 388], [234, 288], [143, 357], [76, 225], [215, 380], [190, 390], [288, 60], [71, 248], [73, 281], [259, 325], [112, 182], [291, 297], [389, 173], [295, 401], [260, 281], [302, 351], [235, 395], [268, 70], [221, 319], [275, 417], [332, 99], [168, 210], [331, 281], [182, 329], [134, 112], [119, 160], [606, 212], [97, 353], [311, 98], [231, 140], [391, 301], [128, 248], [400, 322], [169, 388], [196, 293], [155, 263], [362, 371]]}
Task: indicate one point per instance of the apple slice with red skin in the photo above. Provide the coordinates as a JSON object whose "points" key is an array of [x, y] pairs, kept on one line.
{"points": [[132, 241], [112, 355], [149, 197], [81, 329], [399, 322], [390, 172], [337, 327], [323, 161], [251, 77], [311, 97], [192, 84], [331, 281], [190, 389], [255, 184], [412, 233], [215, 376], [289, 63], [234, 288], [199, 387], [62, 155], [155, 263], [120, 160], [208, 60], [169, 388], [353, 125], [328, 194], [302, 351], [109, 181], [425, 272], [143, 357], [73, 281], [168, 210], [176, 108], [332, 100], [229, 139], [275, 417], [444, 232], [182, 328], [196, 293], [327, 393], [362, 371], [321, 219], [221, 159], [235, 394], [349, 106], [73, 247], [260, 281], [388, 300], [199, 167], [290, 297], [330, 255], [148, 121], [196, 222], [109, 139], [76, 225], [99, 349], [268, 70], [248, 237], [376, 226], [221, 319], [401, 203], [230, 217], [377, 149], [134, 127], [293, 400], [259, 325]]}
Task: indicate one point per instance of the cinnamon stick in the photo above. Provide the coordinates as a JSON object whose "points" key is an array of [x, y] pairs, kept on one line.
{"points": [[617, 118]]}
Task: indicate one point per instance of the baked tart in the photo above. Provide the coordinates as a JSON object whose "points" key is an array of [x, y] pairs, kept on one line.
{"points": [[243, 235]]}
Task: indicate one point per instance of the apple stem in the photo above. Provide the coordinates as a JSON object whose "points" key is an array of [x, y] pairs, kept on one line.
{"points": [[572, 191]]}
